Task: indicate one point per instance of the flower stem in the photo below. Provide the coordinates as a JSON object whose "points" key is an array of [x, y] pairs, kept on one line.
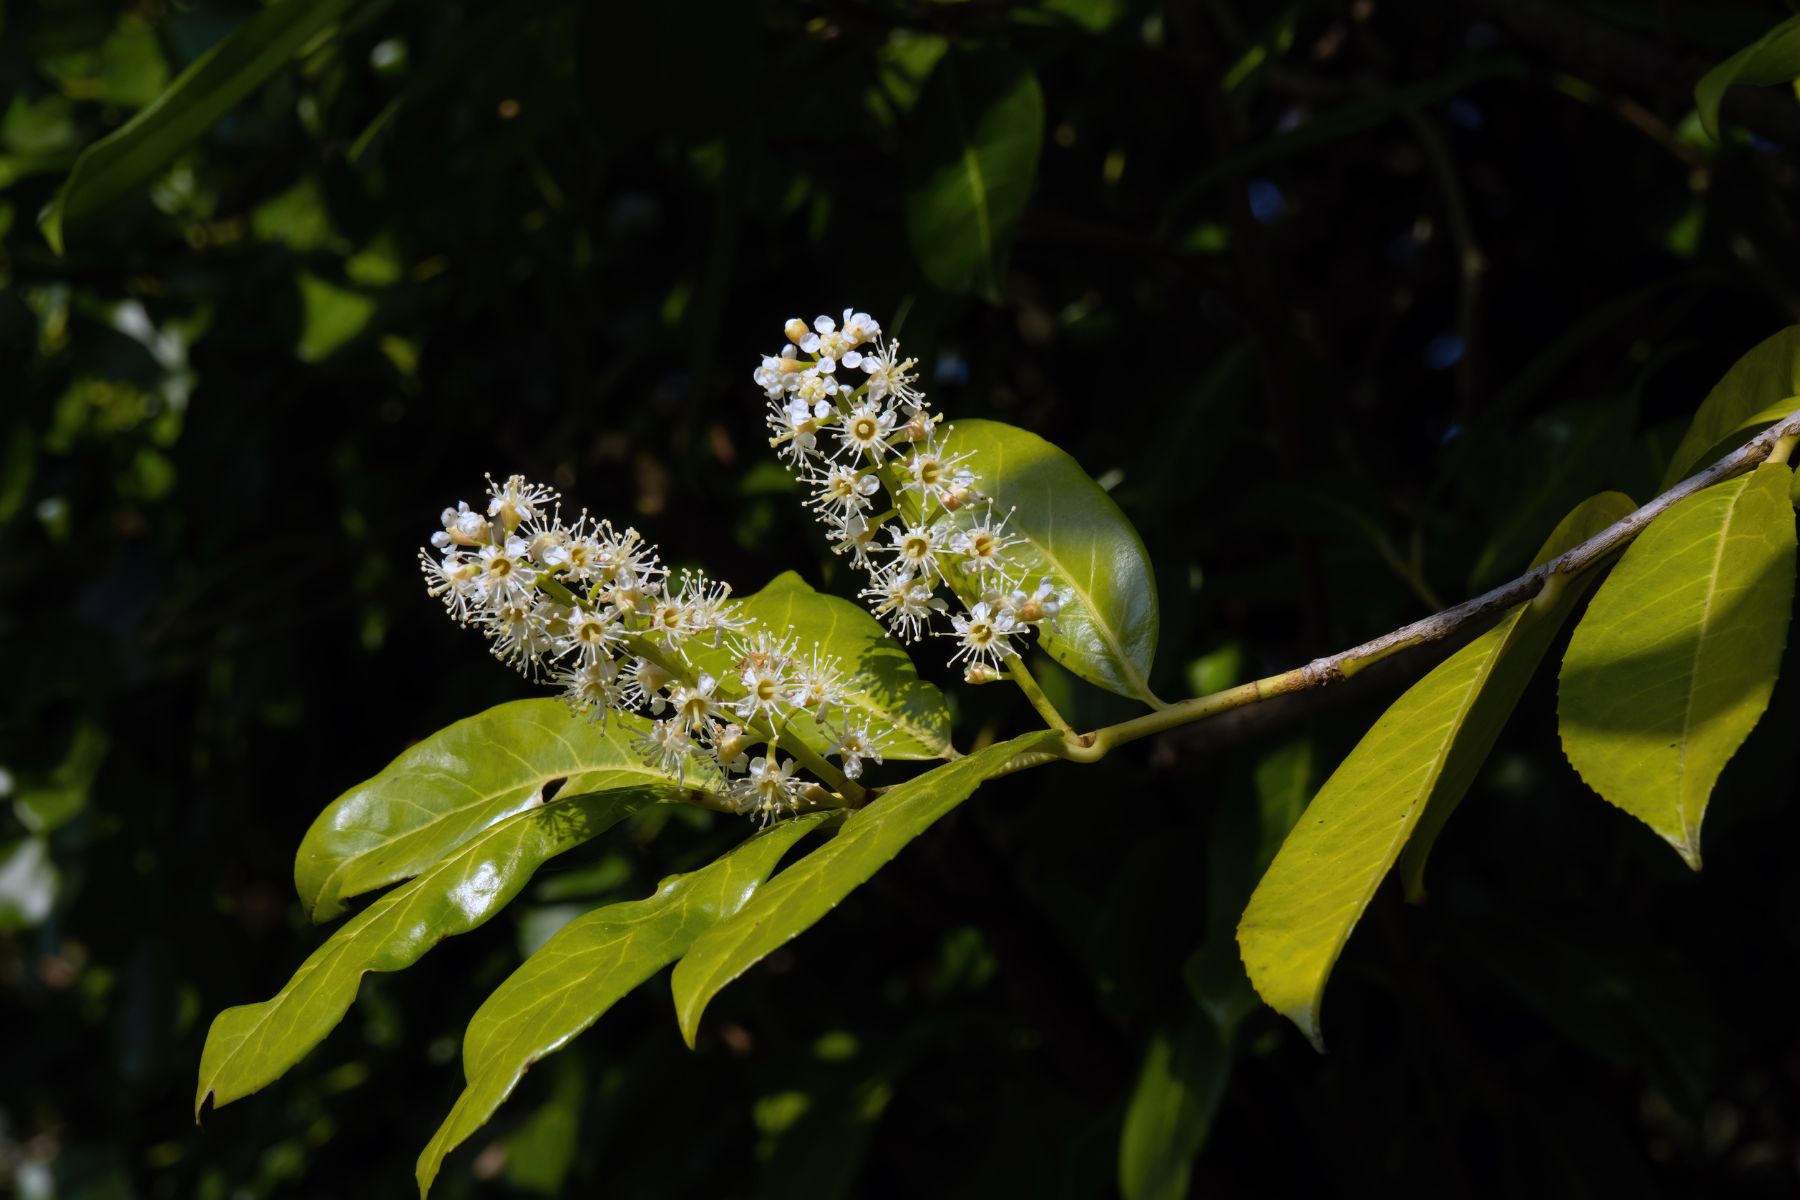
{"points": [[1015, 666]]}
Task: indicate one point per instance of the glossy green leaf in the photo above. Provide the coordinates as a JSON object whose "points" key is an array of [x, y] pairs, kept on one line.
{"points": [[129, 156], [883, 686], [1519, 642], [974, 148], [1763, 379], [1772, 58], [588, 966], [1674, 662], [1424, 751], [455, 783], [250, 1046], [795, 899], [1075, 534], [1171, 1110]]}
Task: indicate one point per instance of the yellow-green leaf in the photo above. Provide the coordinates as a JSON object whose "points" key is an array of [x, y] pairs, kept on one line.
{"points": [[457, 782], [1764, 379], [1171, 1110], [795, 899], [971, 160], [250, 1046], [1074, 533], [586, 967], [130, 155], [1772, 58], [1673, 664], [1424, 751]]}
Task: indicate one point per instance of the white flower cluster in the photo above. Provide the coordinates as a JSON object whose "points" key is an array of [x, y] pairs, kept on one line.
{"points": [[852, 427], [591, 609]]}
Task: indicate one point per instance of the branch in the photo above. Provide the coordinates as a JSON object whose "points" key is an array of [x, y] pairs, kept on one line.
{"points": [[1774, 442]]}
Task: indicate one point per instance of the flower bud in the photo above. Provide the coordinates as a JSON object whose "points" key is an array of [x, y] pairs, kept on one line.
{"points": [[796, 330], [980, 672]]}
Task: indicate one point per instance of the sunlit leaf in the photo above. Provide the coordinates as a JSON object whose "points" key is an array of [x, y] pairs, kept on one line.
{"points": [[1772, 58], [331, 316], [1076, 535], [1178, 1091], [1762, 380], [128, 157], [1424, 751], [883, 686], [28, 881], [795, 899], [1673, 664], [585, 968], [454, 784], [976, 135], [250, 1046]]}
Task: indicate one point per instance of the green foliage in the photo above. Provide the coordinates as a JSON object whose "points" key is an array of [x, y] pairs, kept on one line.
{"points": [[1675, 660], [587, 966], [1772, 58], [1178, 1091], [217, 80], [455, 784], [1762, 387], [1074, 533], [812, 887], [883, 686], [252, 1045], [978, 130], [1407, 774]]}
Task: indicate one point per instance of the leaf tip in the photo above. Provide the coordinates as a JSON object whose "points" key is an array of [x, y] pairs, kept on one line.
{"points": [[1306, 1018]]}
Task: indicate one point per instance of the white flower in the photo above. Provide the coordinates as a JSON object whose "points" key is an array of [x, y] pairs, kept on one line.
{"points": [[916, 549], [520, 630], [505, 577], [777, 374], [796, 426], [694, 703], [589, 633], [854, 744], [593, 687], [904, 602], [931, 474], [818, 685], [666, 744], [727, 749], [983, 548], [765, 677], [463, 526], [768, 790], [1034, 607], [982, 634], [841, 491], [643, 685], [706, 608], [456, 579], [517, 501], [891, 377], [865, 430], [857, 536]]}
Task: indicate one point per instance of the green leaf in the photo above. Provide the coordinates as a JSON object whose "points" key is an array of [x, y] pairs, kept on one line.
{"points": [[218, 79], [1673, 664], [28, 883], [977, 131], [1178, 1091], [806, 891], [588, 966], [883, 685], [1074, 533], [455, 783], [1423, 752], [1520, 641], [250, 1046], [1763, 379], [1772, 58]]}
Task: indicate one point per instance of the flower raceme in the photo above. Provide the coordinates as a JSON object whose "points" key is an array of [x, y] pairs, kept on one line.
{"points": [[846, 418], [592, 609]]}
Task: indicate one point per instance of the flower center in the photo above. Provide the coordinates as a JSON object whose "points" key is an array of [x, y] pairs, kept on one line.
{"points": [[863, 429]]}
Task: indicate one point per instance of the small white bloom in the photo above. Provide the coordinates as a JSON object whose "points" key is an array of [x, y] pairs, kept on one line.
{"points": [[589, 633], [666, 744], [931, 473], [818, 685], [505, 577], [904, 602], [795, 426], [916, 548], [520, 629], [764, 678], [857, 536], [865, 431], [694, 703], [727, 749], [892, 378], [983, 547], [517, 501], [841, 491], [768, 790], [593, 687], [982, 634], [463, 526], [456, 579], [855, 743]]}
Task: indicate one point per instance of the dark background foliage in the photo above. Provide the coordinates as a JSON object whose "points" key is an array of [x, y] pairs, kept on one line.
{"points": [[1345, 302]]}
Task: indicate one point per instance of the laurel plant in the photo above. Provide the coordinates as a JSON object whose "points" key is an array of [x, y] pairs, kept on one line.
{"points": [[803, 712]]}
